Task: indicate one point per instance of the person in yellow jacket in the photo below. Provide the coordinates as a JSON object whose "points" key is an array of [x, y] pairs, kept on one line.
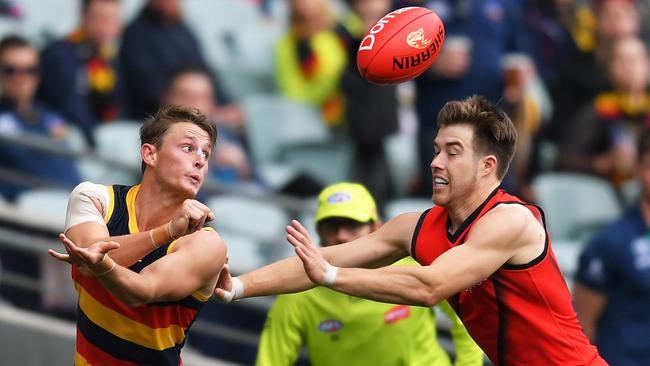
{"points": [[338, 329], [310, 59]]}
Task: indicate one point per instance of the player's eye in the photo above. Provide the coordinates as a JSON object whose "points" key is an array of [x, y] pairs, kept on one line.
{"points": [[186, 148]]}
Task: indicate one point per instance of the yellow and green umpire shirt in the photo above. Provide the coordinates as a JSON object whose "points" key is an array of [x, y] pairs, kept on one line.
{"points": [[338, 329]]}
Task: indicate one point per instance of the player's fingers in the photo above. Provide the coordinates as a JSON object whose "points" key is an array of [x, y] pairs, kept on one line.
{"points": [[293, 241], [60, 256], [296, 234], [301, 229], [106, 246]]}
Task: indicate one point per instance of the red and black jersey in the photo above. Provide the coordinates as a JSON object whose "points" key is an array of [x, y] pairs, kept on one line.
{"points": [[521, 314]]}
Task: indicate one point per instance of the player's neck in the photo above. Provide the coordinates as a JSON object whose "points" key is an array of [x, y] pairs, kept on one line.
{"points": [[154, 205], [460, 210]]}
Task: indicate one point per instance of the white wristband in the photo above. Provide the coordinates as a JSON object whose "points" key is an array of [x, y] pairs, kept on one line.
{"points": [[330, 275], [235, 293]]}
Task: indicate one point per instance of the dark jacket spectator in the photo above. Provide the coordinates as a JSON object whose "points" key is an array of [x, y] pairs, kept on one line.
{"points": [[154, 45], [20, 114], [81, 76]]}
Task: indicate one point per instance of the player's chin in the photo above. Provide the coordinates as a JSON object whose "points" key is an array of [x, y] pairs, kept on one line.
{"points": [[191, 189], [439, 197]]}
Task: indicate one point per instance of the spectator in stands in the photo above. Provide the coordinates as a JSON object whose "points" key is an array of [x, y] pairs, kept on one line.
{"points": [[21, 116], [339, 329], [154, 45], [479, 34], [80, 74], [602, 137], [229, 163], [310, 59], [612, 290], [584, 74], [370, 110]]}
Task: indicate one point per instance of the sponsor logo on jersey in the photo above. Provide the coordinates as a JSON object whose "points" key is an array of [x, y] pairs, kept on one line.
{"points": [[416, 39], [397, 313], [330, 326]]}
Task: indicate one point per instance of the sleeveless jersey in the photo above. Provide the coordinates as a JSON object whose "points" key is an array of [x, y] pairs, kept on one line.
{"points": [[111, 333], [521, 314]]}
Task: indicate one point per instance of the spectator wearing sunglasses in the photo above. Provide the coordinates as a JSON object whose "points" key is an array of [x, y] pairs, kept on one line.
{"points": [[20, 115]]}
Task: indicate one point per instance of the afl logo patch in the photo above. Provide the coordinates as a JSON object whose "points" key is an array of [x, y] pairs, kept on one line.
{"points": [[339, 197], [330, 326]]}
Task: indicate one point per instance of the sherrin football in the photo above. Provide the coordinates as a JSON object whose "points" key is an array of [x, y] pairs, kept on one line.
{"points": [[401, 45]]}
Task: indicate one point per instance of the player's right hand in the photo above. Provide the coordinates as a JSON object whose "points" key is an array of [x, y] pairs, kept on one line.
{"points": [[189, 218], [228, 288], [222, 291]]}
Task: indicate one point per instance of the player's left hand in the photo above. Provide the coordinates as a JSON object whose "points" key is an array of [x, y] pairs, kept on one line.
{"points": [[313, 262]]}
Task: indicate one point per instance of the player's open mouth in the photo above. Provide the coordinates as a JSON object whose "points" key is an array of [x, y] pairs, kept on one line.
{"points": [[439, 182], [195, 179]]}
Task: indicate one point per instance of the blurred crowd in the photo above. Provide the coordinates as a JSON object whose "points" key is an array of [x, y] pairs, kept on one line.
{"points": [[572, 74]]}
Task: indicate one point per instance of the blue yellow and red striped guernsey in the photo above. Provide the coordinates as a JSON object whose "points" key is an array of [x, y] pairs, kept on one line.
{"points": [[110, 332]]}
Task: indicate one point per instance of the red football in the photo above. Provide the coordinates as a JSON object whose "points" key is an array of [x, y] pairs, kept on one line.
{"points": [[401, 45]]}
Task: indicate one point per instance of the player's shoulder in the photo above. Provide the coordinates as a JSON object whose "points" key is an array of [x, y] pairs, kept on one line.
{"points": [[87, 186], [509, 221]]}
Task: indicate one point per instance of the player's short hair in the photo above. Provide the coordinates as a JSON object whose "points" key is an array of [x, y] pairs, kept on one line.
{"points": [[13, 41], [494, 132], [155, 127], [643, 143], [85, 4]]}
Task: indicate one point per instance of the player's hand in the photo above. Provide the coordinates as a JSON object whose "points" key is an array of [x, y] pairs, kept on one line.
{"points": [[315, 265], [189, 218], [224, 285], [90, 257]]}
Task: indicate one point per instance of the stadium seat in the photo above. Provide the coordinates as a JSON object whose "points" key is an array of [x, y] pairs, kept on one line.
{"points": [[402, 160], [119, 142], [244, 253], [47, 206], [47, 20], [328, 162], [273, 122], [575, 205], [263, 221], [567, 253], [237, 42], [402, 205]]}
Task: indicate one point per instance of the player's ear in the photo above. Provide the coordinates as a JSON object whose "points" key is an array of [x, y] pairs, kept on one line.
{"points": [[149, 154], [488, 164]]}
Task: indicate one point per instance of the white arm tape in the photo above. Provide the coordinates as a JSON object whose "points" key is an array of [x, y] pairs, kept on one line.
{"points": [[235, 293], [81, 208], [330, 275]]}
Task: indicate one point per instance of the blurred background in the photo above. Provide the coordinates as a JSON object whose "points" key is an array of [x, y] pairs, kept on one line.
{"points": [[279, 79]]}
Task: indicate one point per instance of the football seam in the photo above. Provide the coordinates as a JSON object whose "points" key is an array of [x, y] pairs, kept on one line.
{"points": [[395, 33]]}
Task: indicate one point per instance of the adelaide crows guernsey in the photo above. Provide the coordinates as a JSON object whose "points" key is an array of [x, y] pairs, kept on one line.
{"points": [[521, 314], [111, 333]]}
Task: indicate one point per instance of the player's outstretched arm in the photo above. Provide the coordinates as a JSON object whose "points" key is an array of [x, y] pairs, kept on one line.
{"points": [[85, 224], [194, 265], [489, 245], [383, 247]]}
